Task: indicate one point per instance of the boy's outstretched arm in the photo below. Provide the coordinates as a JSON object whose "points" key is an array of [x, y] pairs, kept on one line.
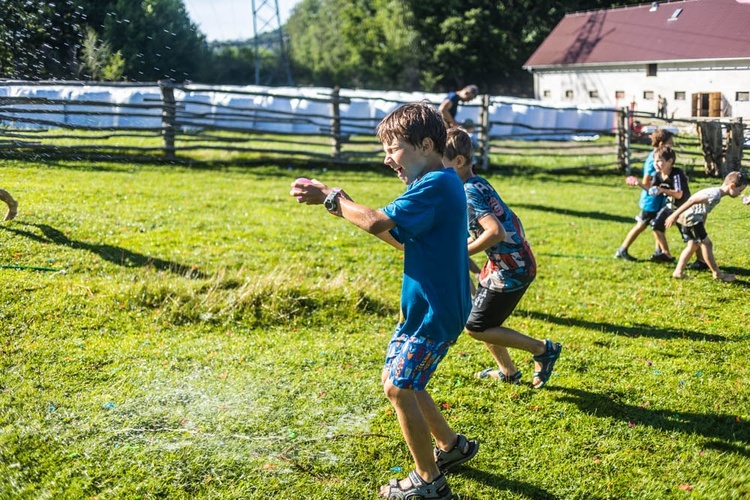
{"points": [[696, 198], [632, 180], [373, 221]]}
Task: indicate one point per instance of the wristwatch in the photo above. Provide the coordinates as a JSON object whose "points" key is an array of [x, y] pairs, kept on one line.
{"points": [[331, 202]]}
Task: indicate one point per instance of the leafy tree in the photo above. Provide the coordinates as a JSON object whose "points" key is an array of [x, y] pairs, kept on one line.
{"points": [[486, 42], [417, 44], [38, 39], [353, 43], [98, 60], [155, 38]]}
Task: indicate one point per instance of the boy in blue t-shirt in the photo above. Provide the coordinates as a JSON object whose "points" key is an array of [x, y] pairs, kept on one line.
{"points": [[650, 203], [429, 222], [509, 271]]}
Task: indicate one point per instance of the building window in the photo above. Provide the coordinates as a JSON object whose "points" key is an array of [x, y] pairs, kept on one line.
{"points": [[742, 96], [619, 94], [679, 96], [651, 70], [569, 94], [648, 95], [594, 94], [547, 93]]}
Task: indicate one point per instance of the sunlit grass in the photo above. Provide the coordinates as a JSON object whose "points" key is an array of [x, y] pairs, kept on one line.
{"points": [[201, 335]]}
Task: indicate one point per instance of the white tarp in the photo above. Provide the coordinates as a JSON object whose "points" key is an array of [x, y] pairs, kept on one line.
{"points": [[284, 110]]}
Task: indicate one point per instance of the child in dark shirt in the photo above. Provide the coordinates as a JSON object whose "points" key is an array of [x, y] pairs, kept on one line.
{"points": [[672, 183]]}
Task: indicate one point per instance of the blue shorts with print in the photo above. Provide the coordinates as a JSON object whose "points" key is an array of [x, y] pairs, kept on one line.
{"points": [[411, 361]]}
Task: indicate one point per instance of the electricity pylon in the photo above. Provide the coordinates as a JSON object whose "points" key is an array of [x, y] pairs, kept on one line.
{"points": [[266, 19]]}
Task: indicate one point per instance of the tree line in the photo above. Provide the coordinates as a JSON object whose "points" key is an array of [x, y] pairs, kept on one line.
{"points": [[377, 44]]}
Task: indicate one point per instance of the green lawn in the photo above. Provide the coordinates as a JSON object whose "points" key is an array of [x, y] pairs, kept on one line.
{"points": [[201, 335]]}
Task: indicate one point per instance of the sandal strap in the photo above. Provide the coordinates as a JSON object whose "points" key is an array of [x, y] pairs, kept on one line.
{"points": [[416, 480]]}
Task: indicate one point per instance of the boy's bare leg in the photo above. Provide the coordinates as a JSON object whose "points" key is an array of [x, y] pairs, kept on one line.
{"points": [[707, 248], [661, 242], [445, 437], [633, 234], [499, 338], [502, 358], [416, 431], [12, 204], [690, 249]]}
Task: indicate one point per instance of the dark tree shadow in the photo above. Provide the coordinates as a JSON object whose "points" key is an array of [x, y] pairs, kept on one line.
{"points": [[724, 430], [496, 481], [635, 330], [576, 213], [117, 255]]}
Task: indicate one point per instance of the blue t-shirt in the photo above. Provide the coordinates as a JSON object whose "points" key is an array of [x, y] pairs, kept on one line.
{"points": [[647, 202], [430, 221], [511, 264], [455, 99]]}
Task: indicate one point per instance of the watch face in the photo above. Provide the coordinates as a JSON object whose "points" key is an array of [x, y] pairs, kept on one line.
{"points": [[330, 201]]}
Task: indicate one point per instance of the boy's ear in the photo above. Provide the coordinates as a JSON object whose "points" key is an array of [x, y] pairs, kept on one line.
{"points": [[427, 145]]}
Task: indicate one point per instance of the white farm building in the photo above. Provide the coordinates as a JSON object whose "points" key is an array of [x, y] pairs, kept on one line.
{"points": [[694, 54]]}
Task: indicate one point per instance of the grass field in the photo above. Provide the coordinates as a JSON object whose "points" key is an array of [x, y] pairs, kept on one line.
{"points": [[197, 334]]}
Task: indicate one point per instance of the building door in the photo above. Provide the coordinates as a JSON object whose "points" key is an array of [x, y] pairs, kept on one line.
{"points": [[707, 104]]}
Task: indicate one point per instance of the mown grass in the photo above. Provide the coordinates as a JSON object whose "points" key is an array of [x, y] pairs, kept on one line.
{"points": [[206, 337]]}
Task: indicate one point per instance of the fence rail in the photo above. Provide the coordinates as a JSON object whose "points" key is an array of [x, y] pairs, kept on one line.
{"points": [[167, 121]]}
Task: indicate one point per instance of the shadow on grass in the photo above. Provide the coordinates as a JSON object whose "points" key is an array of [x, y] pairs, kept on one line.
{"points": [[636, 330], [117, 255], [518, 488], [724, 430], [576, 213], [739, 271]]}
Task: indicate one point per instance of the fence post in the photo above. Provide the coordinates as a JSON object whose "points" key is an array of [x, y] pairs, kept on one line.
{"points": [[168, 112], [710, 135], [619, 125], [627, 119], [734, 144], [335, 123], [484, 132]]}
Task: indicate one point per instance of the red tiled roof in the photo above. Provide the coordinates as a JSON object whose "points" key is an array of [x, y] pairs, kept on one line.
{"points": [[704, 29]]}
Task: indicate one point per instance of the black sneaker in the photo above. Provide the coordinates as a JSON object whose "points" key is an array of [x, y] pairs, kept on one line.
{"points": [[661, 257], [624, 255], [698, 265]]}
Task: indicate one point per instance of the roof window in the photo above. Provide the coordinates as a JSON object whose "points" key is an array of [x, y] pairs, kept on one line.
{"points": [[654, 6], [675, 15]]}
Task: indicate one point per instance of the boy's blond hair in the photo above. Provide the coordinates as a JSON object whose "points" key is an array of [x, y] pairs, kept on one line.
{"points": [[414, 123], [458, 143], [739, 179]]}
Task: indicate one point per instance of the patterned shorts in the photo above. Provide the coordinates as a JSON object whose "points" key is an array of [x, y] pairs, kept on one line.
{"points": [[411, 361]]}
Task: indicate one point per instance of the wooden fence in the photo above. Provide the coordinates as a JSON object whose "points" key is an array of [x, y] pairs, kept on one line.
{"points": [[716, 144], [233, 126]]}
